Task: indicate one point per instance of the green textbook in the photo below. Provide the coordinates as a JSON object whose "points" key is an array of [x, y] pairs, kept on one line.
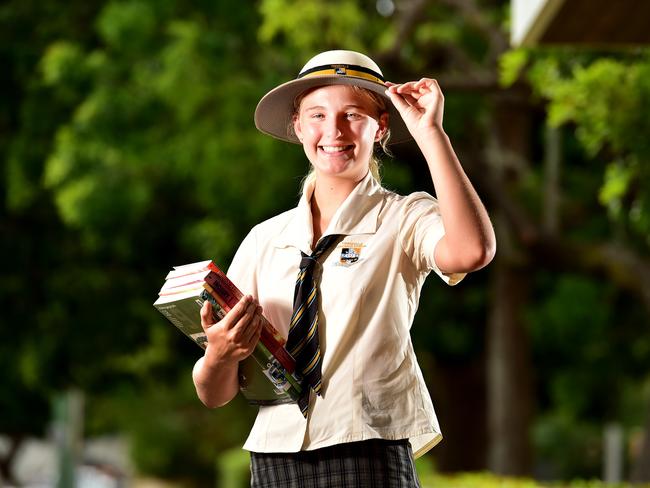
{"points": [[267, 376]]}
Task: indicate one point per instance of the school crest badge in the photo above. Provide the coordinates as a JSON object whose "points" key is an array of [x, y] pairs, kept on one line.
{"points": [[350, 253]]}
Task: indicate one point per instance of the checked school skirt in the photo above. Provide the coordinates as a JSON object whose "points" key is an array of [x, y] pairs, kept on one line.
{"points": [[375, 463]]}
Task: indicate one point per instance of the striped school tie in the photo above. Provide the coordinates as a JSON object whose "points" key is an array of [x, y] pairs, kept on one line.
{"points": [[302, 342]]}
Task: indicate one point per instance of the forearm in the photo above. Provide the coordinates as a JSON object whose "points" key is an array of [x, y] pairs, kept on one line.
{"points": [[469, 242], [216, 381], [229, 341]]}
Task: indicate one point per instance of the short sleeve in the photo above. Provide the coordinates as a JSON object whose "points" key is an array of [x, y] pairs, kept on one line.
{"points": [[243, 267], [420, 230]]}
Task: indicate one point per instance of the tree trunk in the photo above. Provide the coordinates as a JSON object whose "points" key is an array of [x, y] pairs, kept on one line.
{"points": [[509, 377], [459, 398], [509, 381], [552, 195]]}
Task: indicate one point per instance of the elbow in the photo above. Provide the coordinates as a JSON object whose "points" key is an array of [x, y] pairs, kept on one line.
{"points": [[483, 252], [211, 398], [479, 257], [464, 256], [214, 402], [214, 390], [208, 402], [488, 251]]}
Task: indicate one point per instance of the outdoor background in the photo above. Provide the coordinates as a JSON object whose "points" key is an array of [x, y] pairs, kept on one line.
{"points": [[128, 146]]}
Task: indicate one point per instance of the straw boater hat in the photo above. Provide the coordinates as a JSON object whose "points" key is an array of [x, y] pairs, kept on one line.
{"points": [[274, 112]]}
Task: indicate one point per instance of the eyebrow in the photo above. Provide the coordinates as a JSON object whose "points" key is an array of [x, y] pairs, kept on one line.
{"points": [[320, 107]]}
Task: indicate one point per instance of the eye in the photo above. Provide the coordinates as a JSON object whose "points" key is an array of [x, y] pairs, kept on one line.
{"points": [[316, 115], [352, 116]]}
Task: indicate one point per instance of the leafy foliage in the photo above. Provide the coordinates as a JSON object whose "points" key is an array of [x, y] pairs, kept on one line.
{"points": [[129, 146], [604, 98], [581, 327]]}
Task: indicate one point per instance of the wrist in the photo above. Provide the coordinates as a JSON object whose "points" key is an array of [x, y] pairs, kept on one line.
{"points": [[427, 134], [214, 361]]}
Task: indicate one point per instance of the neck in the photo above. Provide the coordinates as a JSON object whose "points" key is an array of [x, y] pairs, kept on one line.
{"points": [[329, 194]]}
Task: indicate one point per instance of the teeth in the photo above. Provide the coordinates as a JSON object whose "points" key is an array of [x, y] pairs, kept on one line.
{"points": [[333, 149]]}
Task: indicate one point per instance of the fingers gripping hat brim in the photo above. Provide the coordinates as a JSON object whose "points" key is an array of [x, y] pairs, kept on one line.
{"points": [[274, 112]]}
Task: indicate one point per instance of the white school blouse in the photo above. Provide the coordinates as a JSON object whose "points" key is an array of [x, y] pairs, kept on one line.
{"points": [[370, 285]]}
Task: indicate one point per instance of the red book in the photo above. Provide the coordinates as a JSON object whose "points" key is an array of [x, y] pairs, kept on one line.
{"points": [[227, 295]]}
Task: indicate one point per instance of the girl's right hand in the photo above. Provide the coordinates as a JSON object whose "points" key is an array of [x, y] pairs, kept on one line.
{"points": [[234, 337]]}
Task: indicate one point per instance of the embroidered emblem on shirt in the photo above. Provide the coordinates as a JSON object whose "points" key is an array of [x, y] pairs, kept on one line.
{"points": [[350, 253]]}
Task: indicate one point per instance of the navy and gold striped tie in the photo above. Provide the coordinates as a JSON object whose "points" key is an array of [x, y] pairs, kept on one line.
{"points": [[303, 343]]}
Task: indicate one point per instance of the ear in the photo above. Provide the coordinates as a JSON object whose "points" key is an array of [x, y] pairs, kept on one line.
{"points": [[296, 127], [383, 126]]}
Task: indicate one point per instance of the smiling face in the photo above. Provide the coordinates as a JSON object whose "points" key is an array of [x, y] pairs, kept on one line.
{"points": [[338, 126]]}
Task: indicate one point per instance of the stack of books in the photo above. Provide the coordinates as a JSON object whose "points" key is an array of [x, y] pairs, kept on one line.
{"points": [[268, 376]]}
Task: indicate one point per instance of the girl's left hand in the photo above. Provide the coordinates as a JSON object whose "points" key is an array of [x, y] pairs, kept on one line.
{"points": [[420, 103]]}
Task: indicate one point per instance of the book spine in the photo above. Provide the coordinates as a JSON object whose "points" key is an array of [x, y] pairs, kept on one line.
{"points": [[218, 299], [277, 348], [230, 295], [222, 284], [224, 287], [218, 312]]}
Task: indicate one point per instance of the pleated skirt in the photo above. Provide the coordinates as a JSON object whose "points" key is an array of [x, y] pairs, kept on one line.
{"points": [[375, 463]]}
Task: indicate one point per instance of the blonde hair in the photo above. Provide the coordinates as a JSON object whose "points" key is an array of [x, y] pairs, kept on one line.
{"points": [[379, 103]]}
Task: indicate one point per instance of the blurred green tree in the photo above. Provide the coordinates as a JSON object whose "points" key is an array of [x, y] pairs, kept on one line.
{"points": [[601, 98], [129, 147]]}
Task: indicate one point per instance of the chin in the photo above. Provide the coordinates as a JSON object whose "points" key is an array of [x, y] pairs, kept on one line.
{"points": [[349, 169], [353, 175]]}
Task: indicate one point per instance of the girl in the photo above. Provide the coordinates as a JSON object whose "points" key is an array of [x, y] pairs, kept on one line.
{"points": [[340, 275]]}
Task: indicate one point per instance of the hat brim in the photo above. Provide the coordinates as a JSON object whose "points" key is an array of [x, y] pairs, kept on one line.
{"points": [[274, 112]]}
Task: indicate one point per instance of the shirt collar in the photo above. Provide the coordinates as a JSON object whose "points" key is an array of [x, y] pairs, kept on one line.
{"points": [[358, 214]]}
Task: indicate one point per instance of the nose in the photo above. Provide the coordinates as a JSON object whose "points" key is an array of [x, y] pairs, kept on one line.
{"points": [[334, 127]]}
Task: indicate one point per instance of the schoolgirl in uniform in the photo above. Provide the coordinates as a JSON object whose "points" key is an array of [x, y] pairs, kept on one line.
{"points": [[340, 276]]}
